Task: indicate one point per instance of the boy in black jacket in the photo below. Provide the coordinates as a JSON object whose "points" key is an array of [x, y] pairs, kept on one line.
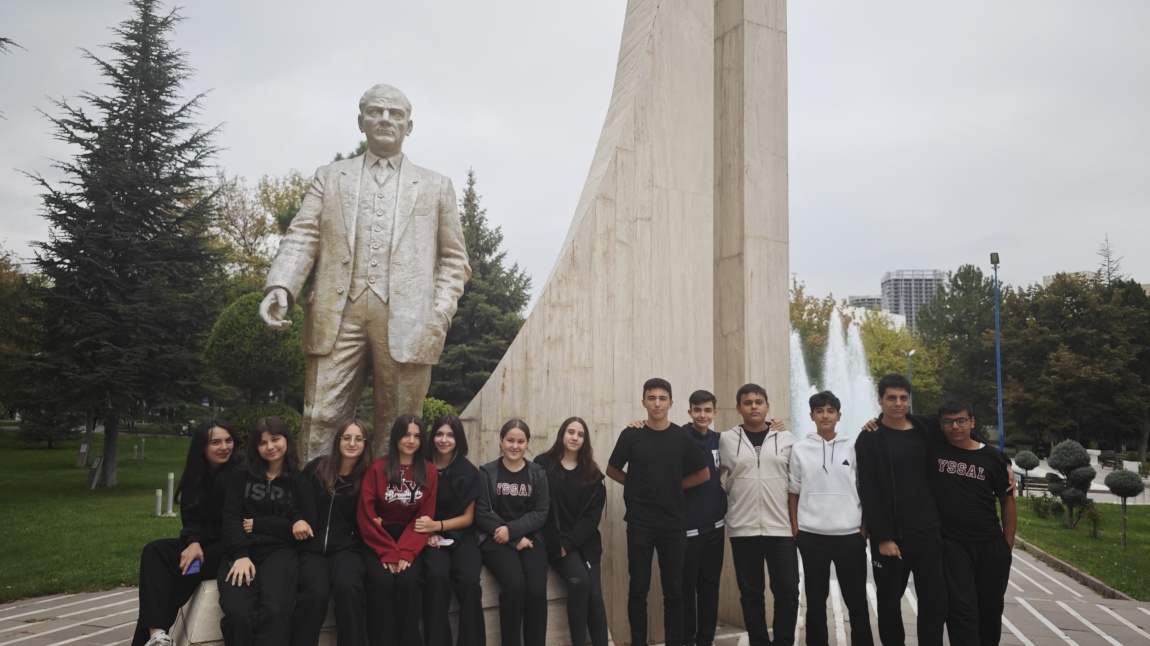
{"points": [[706, 507], [901, 517]]}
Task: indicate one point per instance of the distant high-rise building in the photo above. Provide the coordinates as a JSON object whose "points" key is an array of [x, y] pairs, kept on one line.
{"points": [[906, 290], [865, 302]]}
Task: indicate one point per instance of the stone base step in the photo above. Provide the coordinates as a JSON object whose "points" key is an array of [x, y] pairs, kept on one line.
{"points": [[198, 623]]}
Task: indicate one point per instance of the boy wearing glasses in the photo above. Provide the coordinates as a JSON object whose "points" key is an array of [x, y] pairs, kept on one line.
{"points": [[967, 477]]}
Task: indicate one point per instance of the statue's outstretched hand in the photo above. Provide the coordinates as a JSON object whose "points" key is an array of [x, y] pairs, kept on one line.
{"points": [[274, 308]]}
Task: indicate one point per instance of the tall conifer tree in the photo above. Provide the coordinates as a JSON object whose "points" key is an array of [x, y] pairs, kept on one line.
{"points": [[490, 311], [130, 267]]}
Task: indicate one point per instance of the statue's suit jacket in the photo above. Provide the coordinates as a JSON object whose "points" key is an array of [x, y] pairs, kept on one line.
{"points": [[428, 259]]}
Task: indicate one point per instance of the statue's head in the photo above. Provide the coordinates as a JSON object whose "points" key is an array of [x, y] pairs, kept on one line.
{"points": [[385, 119]]}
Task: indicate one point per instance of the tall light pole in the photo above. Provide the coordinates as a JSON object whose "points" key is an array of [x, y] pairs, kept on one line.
{"points": [[908, 377], [998, 354]]}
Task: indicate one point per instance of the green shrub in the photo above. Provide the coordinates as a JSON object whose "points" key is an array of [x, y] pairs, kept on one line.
{"points": [[246, 354], [1038, 505], [1056, 508], [1092, 516], [243, 418], [433, 409], [1093, 445]]}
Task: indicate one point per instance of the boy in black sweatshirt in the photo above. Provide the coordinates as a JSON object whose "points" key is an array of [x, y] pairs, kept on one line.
{"points": [[901, 517]]}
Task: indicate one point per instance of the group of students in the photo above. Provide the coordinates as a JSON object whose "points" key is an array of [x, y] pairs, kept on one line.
{"points": [[388, 540], [820, 498], [391, 540]]}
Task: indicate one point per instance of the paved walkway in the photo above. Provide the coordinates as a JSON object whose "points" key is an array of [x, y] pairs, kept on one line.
{"points": [[1043, 608]]}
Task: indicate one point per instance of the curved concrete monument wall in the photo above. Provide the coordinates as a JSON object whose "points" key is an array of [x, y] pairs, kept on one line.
{"points": [[675, 264]]}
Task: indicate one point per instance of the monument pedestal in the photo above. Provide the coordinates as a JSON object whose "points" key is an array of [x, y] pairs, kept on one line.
{"points": [[198, 623]]}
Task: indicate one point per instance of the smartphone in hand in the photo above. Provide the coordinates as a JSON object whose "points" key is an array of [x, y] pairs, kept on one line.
{"points": [[194, 568]]}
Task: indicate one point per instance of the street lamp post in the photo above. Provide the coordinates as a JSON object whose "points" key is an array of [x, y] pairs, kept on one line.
{"points": [[908, 377], [998, 354]]}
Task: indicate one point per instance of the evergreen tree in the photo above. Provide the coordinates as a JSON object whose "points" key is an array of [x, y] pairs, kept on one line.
{"points": [[130, 264], [490, 310], [960, 320], [6, 45]]}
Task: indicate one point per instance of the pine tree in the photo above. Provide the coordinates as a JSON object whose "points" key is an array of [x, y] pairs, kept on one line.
{"points": [[960, 321], [129, 262], [490, 310]]}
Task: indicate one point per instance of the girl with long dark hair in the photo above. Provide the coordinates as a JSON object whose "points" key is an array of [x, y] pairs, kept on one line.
{"points": [[172, 568], [451, 559], [574, 545], [510, 513], [334, 562], [263, 520], [397, 489]]}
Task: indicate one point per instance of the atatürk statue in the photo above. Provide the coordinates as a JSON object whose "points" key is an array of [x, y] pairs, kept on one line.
{"points": [[381, 240]]}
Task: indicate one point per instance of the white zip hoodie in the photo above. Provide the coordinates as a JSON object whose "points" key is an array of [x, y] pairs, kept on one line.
{"points": [[756, 484], [824, 476]]}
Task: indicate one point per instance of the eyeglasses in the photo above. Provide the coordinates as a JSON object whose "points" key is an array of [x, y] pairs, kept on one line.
{"points": [[353, 439], [956, 421]]}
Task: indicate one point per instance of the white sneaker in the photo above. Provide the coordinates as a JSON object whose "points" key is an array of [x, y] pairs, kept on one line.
{"points": [[159, 639]]}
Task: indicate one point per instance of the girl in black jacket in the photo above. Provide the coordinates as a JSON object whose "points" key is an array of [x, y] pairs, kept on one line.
{"points": [[334, 561], [263, 520], [572, 532], [172, 568], [510, 514], [452, 559]]}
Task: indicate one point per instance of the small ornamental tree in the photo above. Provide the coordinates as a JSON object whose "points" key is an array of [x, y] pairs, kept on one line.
{"points": [[246, 354], [1071, 460], [1124, 484], [1026, 461]]}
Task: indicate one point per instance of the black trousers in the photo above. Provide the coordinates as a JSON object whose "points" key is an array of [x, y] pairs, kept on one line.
{"points": [[259, 614], [702, 570], [163, 589], [585, 609], [453, 568], [342, 575], [977, 573], [848, 553], [395, 604], [671, 546], [749, 553], [922, 555], [522, 576]]}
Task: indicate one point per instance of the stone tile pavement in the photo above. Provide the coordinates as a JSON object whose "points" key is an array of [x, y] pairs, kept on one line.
{"points": [[1043, 607]]}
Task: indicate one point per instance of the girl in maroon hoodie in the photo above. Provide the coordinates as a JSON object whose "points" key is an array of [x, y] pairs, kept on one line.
{"points": [[396, 490]]}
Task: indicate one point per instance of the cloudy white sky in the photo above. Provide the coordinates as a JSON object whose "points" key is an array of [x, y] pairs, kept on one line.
{"points": [[922, 134]]}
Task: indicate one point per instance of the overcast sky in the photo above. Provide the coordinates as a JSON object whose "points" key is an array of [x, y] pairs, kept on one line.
{"points": [[922, 135]]}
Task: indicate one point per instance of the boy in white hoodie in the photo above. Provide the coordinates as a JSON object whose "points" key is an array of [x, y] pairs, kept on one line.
{"points": [[754, 456], [826, 520]]}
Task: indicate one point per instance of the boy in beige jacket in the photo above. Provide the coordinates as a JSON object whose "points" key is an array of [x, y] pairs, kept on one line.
{"points": [[755, 456]]}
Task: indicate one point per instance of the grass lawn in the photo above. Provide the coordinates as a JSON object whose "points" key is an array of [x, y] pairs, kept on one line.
{"points": [[1100, 557], [56, 536]]}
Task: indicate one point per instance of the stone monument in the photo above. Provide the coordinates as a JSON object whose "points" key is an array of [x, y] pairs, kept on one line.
{"points": [[676, 261], [381, 241]]}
